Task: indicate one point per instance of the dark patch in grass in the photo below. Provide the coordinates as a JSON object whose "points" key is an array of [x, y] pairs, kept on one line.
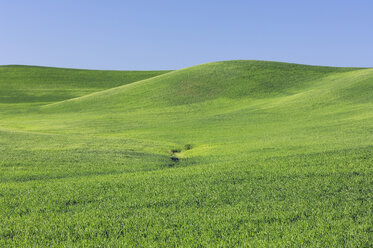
{"points": [[356, 173], [188, 147], [175, 159], [71, 202], [176, 150]]}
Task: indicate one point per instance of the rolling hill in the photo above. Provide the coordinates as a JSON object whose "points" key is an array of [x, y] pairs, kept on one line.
{"points": [[232, 153], [20, 84]]}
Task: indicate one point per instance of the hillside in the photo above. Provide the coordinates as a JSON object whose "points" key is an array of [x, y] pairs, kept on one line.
{"points": [[229, 79], [20, 84], [233, 153], [212, 99]]}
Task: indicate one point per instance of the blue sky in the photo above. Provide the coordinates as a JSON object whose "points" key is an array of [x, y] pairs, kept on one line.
{"points": [[162, 34]]}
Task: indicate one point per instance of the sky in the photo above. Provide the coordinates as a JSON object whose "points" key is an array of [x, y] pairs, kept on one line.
{"points": [[173, 34]]}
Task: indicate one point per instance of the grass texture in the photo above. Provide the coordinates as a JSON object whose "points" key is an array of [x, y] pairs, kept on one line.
{"points": [[225, 154]]}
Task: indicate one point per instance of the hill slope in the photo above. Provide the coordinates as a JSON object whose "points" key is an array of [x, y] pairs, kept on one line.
{"points": [[19, 84], [229, 79], [213, 98], [234, 153]]}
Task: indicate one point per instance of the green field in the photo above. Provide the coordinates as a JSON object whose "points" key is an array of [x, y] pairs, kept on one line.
{"points": [[225, 154]]}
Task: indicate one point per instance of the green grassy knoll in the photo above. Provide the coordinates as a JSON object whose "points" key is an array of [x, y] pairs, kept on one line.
{"points": [[35, 84], [226, 154]]}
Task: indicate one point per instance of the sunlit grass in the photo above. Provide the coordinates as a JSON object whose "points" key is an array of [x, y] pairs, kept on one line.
{"points": [[237, 153]]}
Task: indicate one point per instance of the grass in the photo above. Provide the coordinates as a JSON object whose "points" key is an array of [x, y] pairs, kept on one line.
{"points": [[234, 153]]}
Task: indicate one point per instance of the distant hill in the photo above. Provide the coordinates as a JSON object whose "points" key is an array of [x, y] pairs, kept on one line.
{"points": [[229, 79], [45, 84]]}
